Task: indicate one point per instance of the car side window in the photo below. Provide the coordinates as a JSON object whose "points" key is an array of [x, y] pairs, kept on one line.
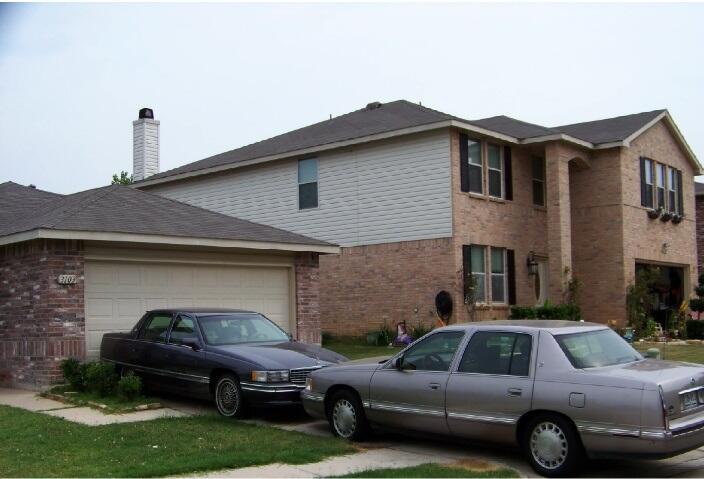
{"points": [[156, 328], [434, 353], [184, 327], [496, 352]]}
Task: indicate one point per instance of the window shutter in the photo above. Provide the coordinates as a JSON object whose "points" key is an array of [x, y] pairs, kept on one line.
{"points": [[466, 270], [680, 196], [508, 174], [511, 267], [464, 163], [643, 189]]}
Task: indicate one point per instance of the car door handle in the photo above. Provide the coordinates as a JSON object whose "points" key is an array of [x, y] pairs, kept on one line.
{"points": [[434, 385], [515, 392]]}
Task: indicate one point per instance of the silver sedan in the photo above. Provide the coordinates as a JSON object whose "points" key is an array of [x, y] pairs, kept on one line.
{"points": [[560, 390]]}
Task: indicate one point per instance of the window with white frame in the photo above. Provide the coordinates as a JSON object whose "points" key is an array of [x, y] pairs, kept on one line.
{"points": [[498, 275], [672, 189], [660, 184], [307, 183], [496, 170], [476, 168], [479, 273]]}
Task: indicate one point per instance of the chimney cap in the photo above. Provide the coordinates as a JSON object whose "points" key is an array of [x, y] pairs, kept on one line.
{"points": [[146, 113], [373, 105]]}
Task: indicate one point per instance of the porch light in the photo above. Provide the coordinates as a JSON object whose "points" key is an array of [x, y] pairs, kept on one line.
{"points": [[532, 264]]}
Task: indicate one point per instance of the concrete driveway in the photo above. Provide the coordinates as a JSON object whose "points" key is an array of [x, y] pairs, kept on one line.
{"points": [[690, 464]]}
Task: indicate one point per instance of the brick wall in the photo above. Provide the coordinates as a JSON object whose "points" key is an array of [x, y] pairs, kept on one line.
{"points": [[41, 322], [307, 279], [700, 231], [366, 286]]}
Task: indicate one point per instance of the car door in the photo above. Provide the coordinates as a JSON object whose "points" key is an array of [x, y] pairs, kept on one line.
{"points": [[184, 363], [151, 343], [413, 396], [492, 385]]}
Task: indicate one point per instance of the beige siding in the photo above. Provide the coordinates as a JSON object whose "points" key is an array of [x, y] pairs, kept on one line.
{"points": [[396, 190]]}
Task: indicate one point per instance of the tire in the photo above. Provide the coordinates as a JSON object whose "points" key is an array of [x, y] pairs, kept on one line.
{"points": [[346, 417], [228, 396], [552, 446]]}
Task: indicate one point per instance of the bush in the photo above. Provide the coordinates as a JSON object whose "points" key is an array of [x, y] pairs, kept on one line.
{"points": [[567, 312], [74, 373], [695, 329], [419, 331], [100, 378], [129, 387]]}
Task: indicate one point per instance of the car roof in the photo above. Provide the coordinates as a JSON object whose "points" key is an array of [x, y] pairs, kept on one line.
{"points": [[201, 311], [549, 325]]}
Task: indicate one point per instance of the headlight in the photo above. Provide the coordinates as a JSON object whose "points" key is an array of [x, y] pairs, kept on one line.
{"points": [[270, 376], [309, 384]]}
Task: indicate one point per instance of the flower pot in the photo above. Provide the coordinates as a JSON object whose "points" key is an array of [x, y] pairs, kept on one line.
{"points": [[653, 214], [677, 219], [667, 216]]}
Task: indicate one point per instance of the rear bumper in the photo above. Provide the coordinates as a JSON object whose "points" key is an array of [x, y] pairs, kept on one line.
{"points": [[271, 394], [651, 444], [313, 403]]}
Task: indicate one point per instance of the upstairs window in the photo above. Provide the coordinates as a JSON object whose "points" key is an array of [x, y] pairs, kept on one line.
{"points": [[672, 190], [538, 181], [496, 171], [660, 184], [646, 182], [307, 183], [474, 157]]}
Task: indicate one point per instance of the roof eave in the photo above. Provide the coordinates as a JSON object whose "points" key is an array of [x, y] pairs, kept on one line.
{"points": [[44, 233]]}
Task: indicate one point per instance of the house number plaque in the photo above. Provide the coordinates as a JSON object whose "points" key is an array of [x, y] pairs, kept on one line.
{"points": [[67, 279]]}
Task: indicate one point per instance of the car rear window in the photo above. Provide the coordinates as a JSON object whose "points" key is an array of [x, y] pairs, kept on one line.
{"points": [[593, 349]]}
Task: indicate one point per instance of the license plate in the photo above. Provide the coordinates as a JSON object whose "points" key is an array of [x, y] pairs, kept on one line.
{"points": [[689, 400]]}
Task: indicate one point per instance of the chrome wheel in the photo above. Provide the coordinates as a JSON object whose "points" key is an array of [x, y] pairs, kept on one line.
{"points": [[227, 396], [548, 445], [344, 418]]}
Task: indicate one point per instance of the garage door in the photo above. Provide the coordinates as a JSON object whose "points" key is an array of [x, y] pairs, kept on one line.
{"points": [[118, 293]]}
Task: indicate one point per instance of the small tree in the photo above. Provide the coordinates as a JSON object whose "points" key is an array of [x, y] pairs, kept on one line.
{"points": [[697, 304], [124, 179], [640, 301]]}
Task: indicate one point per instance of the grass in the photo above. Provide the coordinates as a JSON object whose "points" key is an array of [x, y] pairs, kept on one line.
{"points": [[355, 348], [114, 403], [38, 445], [692, 353], [434, 470]]}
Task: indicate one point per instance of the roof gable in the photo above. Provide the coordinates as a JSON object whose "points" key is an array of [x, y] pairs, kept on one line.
{"points": [[611, 129]]}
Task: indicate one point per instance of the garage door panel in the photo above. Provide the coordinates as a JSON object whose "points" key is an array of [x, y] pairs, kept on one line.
{"points": [[118, 293]]}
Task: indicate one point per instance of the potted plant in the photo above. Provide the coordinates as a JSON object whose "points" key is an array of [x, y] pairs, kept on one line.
{"points": [[677, 218], [653, 213], [666, 216]]}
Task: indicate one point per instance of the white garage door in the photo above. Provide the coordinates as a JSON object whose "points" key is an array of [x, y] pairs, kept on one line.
{"points": [[118, 293]]}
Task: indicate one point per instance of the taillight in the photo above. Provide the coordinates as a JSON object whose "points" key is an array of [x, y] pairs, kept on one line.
{"points": [[665, 420]]}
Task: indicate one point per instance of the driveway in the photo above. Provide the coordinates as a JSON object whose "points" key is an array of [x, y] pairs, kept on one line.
{"points": [[690, 464]]}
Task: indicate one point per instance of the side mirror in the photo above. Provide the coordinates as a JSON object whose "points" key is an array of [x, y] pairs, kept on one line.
{"points": [[192, 343], [398, 363]]}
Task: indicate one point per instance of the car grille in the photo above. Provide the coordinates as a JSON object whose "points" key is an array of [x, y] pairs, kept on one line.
{"points": [[299, 376]]}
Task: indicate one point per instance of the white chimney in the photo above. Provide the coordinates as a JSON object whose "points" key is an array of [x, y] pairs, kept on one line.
{"points": [[145, 139]]}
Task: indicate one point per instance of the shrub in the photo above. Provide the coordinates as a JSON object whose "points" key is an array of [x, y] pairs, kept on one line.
{"points": [[326, 337], [419, 331], [695, 329], [129, 387], [74, 373], [568, 312], [100, 378], [384, 335]]}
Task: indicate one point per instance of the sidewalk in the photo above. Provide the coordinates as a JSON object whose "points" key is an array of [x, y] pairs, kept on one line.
{"points": [[30, 401]]}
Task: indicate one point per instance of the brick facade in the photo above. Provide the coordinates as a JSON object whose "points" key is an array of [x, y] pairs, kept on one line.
{"points": [[700, 230], [307, 279], [41, 321]]}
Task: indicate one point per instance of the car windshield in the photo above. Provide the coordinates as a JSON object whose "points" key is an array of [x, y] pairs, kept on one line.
{"points": [[239, 328], [593, 349]]}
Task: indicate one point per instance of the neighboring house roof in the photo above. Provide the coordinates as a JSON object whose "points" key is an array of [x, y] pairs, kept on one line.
{"points": [[101, 212], [384, 120], [698, 188]]}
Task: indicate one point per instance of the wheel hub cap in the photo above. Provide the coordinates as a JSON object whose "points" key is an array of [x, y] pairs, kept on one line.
{"points": [[548, 445], [228, 398], [344, 418]]}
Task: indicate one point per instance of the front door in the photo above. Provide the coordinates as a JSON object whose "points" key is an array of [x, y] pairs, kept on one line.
{"points": [[413, 397], [492, 386], [185, 365]]}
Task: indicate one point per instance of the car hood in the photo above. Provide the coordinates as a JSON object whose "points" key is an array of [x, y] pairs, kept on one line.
{"points": [[280, 355], [366, 364]]}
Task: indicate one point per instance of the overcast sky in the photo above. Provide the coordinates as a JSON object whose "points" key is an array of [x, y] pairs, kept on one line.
{"points": [[72, 77]]}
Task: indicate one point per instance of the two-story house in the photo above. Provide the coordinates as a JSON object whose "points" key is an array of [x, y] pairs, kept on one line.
{"points": [[418, 198]]}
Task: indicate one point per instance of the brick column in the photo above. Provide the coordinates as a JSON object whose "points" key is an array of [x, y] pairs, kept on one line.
{"points": [[307, 298], [559, 220]]}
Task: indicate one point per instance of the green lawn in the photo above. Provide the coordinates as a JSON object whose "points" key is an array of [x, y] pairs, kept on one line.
{"points": [[357, 349], [692, 353], [113, 403], [38, 445], [434, 470]]}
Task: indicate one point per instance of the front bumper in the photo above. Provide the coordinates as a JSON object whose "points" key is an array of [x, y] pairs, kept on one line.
{"points": [[313, 403], [262, 394]]}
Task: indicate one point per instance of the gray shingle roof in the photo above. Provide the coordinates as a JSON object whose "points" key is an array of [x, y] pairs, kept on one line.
{"points": [[121, 209], [401, 114]]}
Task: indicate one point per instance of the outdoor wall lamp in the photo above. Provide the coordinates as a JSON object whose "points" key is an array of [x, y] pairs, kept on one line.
{"points": [[532, 264]]}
